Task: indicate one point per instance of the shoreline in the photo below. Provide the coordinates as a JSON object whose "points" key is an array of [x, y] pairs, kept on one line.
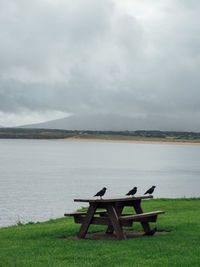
{"points": [[128, 141]]}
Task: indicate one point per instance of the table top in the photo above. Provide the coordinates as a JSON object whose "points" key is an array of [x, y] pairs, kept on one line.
{"points": [[111, 200]]}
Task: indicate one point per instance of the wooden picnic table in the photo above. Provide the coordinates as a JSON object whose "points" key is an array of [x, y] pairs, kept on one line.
{"points": [[112, 215]]}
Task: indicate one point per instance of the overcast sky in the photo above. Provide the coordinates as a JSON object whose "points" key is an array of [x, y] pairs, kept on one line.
{"points": [[139, 58]]}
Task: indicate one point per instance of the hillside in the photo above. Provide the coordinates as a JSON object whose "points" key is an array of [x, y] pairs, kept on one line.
{"points": [[93, 122], [115, 122]]}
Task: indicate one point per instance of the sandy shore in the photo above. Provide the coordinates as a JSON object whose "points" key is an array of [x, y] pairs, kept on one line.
{"points": [[128, 141]]}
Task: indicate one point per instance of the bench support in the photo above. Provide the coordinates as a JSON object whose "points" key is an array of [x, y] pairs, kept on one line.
{"points": [[139, 210], [87, 220], [112, 213], [110, 228]]}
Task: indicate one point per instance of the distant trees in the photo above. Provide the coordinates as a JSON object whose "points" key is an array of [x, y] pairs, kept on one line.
{"points": [[55, 134]]}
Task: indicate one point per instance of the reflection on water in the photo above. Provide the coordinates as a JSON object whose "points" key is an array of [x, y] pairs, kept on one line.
{"points": [[39, 179]]}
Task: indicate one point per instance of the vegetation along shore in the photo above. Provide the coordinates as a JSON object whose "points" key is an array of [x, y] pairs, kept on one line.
{"points": [[125, 136]]}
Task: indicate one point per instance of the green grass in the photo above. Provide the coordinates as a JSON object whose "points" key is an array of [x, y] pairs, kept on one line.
{"points": [[42, 244]]}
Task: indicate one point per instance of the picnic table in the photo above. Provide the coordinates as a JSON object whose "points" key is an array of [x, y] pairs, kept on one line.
{"points": [[112, 216]]}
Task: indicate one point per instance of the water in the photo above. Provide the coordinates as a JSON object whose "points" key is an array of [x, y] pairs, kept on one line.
{"points": [[39, 179]]}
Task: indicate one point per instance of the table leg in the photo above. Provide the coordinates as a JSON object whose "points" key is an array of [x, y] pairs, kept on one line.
{"points": [[110, 228], [113, 216], [138, 210], [86, 223]]}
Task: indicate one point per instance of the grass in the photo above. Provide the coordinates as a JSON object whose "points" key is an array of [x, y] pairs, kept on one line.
{"points": [[42, 244]]}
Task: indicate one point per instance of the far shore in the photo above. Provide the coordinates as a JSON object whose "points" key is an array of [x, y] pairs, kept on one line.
{"points": [[128, 141]]}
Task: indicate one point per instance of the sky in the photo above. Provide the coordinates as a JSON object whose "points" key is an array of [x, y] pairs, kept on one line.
{"points": [[136, 58]]}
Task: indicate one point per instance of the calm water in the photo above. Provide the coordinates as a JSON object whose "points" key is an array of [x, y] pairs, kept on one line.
{"points": [[39, 179]]}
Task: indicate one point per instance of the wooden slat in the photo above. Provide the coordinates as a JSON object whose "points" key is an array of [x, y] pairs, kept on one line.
{"points": [[111, 200], [83, 213], [138, 209], [87, 220], [112, 213], [142, 220], [142, 215], [119, 209], [100, 221]]}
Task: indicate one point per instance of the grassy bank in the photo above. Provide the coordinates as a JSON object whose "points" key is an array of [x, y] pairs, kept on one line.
{"points": [[43, 244]]}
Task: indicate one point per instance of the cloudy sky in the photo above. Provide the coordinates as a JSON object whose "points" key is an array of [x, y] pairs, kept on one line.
{"points": [[138, 58]]}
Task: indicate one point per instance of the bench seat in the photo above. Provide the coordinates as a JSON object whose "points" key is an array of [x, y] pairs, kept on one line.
{"points": [[102, 220], [84, 213], [125, 220], [142, 217]]}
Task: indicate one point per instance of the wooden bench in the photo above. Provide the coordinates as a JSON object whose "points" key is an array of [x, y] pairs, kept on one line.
{"points": [[125, 219], [143, 217]]}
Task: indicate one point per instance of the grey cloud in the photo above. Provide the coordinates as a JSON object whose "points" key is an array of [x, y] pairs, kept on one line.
{"points": [[83, 56]]}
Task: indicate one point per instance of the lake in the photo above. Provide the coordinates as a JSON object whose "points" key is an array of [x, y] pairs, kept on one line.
{"points": [[40, 178]]}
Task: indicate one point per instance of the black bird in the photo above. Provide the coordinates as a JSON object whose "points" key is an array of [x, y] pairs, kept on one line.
{"points": [[151, 232], [132, 191], [101, 192], [150, 190]]}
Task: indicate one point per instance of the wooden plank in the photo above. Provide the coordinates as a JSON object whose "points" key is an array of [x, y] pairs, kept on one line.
{"points": [[119, 210], [83, 213], [99, 200], [119, 204], [141, 215], [100, 221], [86, 223], [104, 220], [147, 219], [139, 210], [115, 222]]}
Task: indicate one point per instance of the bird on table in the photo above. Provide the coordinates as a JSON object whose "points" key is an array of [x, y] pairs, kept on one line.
{"points": [[132, 191], [101, 192], [150, 190]]}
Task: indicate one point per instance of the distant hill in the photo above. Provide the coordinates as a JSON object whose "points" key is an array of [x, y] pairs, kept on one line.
{"points": [[93, 122], [113, 122]]}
